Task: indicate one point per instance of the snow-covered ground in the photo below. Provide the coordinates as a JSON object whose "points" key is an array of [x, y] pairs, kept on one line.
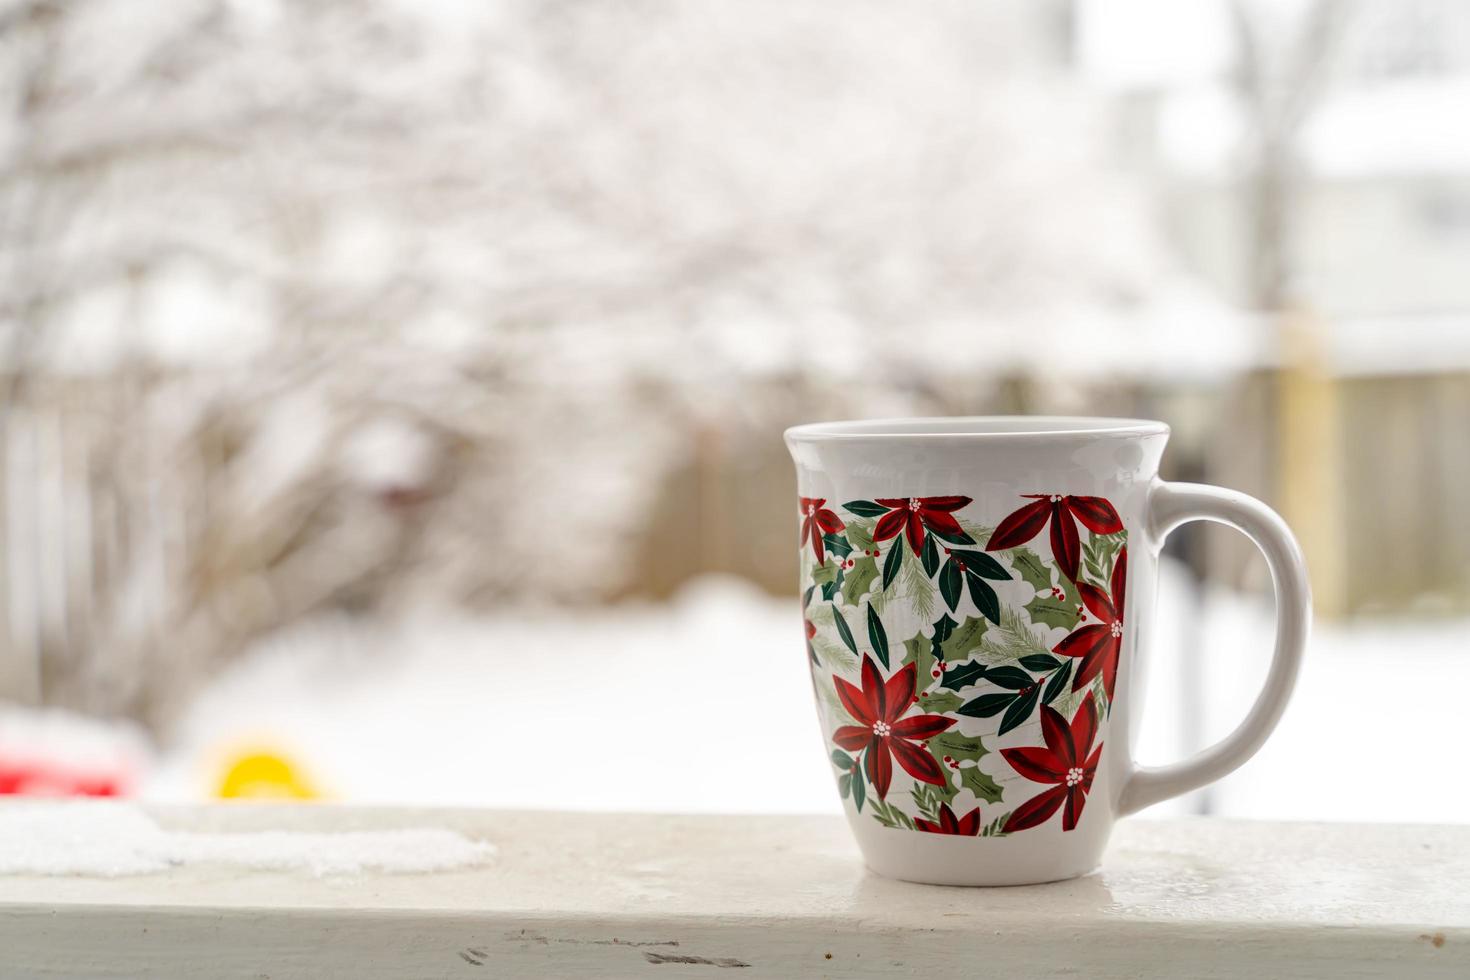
{"points": [[704, 705]]}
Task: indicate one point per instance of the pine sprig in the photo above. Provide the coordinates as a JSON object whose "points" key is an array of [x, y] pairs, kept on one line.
{"points": [[1100, 552], [917, 588], [993, 829], [1012, 639], [889, 815]]}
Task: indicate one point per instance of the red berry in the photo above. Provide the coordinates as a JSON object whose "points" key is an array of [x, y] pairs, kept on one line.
{"points": [[936, 673]]}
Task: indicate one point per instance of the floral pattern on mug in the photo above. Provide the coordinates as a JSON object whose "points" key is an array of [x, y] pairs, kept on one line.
{"points": [[964, 687]]}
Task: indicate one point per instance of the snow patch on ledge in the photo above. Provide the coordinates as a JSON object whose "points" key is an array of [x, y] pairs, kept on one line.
{"points": [[110, 839]]}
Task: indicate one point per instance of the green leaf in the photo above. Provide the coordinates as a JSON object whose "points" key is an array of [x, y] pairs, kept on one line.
{"points": [[892, 563], [939, 702], [919, 652], [841, 759], [952, 537], [1057, 684], [859, 790], [830, 589], [987, 705], [842, 630], [859, 579], [1052, 611], [877, 636], [943, 629], [950, 582], [1017, 713], [806, 597], [964, 638], [860, 536], [965, 748], [1032, 568], [1040, 662], [825, 573], [1013, 678], [981, 784], [981, 564], [864, 508], [963, 675], [984, 598], [844, 785], [929, 557], [837, 544]]}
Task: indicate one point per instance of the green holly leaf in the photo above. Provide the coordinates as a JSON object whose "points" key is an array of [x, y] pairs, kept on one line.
{"points": [[892, 563], [939, 702], [859, 578], [965, 748], [859, 536], [1020, 710], [951, 580], [825, 573], [919, 652], [987, 705], [1031, 568], [943, 629], [929, 557], [864, 508], [841, 759], [963, 639], [1055, 612], [842, 630], [877, 636], [963, 675], [837, 544], [830, 589], [981, 784]]}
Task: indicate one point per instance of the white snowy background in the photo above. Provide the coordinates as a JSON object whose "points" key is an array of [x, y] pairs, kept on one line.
{"points": [[356, 354]]}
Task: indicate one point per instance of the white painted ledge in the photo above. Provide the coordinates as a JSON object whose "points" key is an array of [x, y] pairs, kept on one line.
{"points": [[589, 895]]}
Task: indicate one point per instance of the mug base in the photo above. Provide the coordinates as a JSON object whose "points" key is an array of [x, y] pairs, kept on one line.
{"points": [[1033, 857], [960, 879]]}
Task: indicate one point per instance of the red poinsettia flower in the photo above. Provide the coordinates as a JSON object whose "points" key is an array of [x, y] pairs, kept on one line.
{"points": [[1095, 513], [817, 520], [882, 730], [1099, 644], [1068, 760], [912, 515], [966, 826]]}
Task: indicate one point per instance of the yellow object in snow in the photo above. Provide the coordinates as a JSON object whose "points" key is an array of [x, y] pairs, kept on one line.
{"points": [[264, 776]]}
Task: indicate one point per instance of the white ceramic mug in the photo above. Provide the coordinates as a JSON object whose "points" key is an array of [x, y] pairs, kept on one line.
{"points": [[978, 596]]}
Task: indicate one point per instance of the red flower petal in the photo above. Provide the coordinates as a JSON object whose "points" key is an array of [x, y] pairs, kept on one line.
{"points": [[898, 692], [917, 761], [1076, 799], [969, 824], [889, 524], [943, 503], [947, 820], [938, 520], [1120, 580], [873, 692], [1036, 764], [1110, 668], [1096, 662], [928, 826], [923, 726], [1021, 526], [1065, 547], [1095, 513], [913, 529], [1058, 737], [879, 767], [1037, 810], [1097, 602], [828, 521], [854, 701], [817, 548], [1083, 728], [852, 738], [1084, 642]]}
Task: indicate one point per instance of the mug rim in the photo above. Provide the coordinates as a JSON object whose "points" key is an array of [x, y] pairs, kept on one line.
{"points": [[975, 428]]}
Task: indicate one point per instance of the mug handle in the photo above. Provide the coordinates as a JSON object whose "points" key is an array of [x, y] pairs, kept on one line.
{"points": [[1170, 506]]}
